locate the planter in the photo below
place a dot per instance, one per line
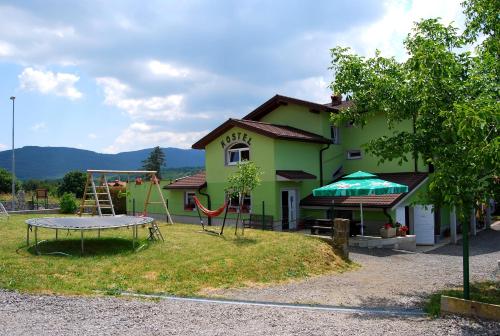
(388, 233)
(401, 233)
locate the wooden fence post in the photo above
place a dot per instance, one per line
(341, 236)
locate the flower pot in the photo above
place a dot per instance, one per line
(388, 233)
(401, 233)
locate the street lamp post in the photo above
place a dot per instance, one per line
(13, 159)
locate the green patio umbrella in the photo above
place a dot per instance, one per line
(360, 184)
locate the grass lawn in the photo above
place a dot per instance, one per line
(486, 291)
(187, 263)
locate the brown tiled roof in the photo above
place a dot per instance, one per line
(195, 181)
(410, 179)
(270, 130)
(295, 175)
(279, 100)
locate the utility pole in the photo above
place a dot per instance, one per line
(13, 160)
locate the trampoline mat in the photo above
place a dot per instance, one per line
(88, 223)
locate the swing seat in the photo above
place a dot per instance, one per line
(209, 213)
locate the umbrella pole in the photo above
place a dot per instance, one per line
(361, 214)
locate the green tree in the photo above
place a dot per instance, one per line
(245, 179)
(242, 182)
(449, 94)
(6, 181)
(155, 161)
(74, 183)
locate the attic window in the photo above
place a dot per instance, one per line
(237, 153)
(354, 154)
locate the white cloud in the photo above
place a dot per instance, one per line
(312, 88)
(6, 49)
(48, 82)
(166, 69)
(169, 107)
(3, 147)
(388, 33)
(141, 135)
(92, 136)
(39, 126)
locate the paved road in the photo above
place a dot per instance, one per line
(51, 315)
(387, 278)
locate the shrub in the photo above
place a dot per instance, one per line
(73, 182)
(68, 203)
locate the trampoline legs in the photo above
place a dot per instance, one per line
(133, 236)
(57, 231)
(98, 233)
(81, 239)
(28, 235)
(36, 240)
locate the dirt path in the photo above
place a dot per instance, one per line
(386, 278)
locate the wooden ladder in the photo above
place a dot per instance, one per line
(97, 197)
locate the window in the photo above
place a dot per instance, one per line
(334, 135)
(246, 207)
(237, 153)
(354, 154)
(189, 200)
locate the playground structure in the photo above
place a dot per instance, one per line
(3, 212)
(97, 198)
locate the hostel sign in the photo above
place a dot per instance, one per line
(235, 137)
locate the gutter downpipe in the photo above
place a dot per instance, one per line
(321, 164)
(415, 153)
(209, 203)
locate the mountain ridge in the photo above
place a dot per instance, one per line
(37, 162)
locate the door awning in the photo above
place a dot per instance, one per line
(293, 175)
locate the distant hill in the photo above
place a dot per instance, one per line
(53, 162)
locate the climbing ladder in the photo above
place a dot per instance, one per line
(97, 197)
(3, 212)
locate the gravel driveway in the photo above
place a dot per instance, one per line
(387, 278)
(52, 315)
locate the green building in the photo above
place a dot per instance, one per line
(298, 149)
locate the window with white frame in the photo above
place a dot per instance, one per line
(335, 135)
(189, 200)
(354, 154)
(237, 153)
(246, 206)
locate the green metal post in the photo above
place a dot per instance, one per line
(263, 216)
(465, 245)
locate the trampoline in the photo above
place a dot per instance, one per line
(89, 223)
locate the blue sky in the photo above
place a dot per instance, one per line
(123, 75)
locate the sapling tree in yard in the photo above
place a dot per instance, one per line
(243, 181)
(450, 95)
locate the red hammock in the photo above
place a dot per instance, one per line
(209, 213)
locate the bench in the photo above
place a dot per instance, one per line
(255, 222)
(317, 229)
(322, 225)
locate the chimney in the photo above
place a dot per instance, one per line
(336, 99)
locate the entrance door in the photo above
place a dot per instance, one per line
(289, 209)
(423, 224)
